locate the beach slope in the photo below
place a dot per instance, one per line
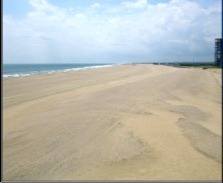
(127, 122)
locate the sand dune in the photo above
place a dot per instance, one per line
(129, 122)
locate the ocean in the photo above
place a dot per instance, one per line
(18, 70)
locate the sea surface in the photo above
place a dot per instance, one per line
(18, 70)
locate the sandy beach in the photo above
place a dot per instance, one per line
(127, 122)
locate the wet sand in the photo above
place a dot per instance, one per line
(129, 122)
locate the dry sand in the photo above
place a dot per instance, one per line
(129, 122)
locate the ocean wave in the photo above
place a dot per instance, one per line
(53, 71)
(15, 75)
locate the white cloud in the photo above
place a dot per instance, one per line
(43, 5)
(136, 4)
(96, 5)
(133, 30)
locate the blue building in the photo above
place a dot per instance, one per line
(218, 52)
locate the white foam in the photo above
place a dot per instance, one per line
(53, 71)
(14, 75)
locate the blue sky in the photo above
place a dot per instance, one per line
(110, 31)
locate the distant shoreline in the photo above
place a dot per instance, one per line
(24, 70)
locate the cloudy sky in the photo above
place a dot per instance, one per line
(110, 31)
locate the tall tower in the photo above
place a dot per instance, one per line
(218, 52)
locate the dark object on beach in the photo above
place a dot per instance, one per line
(218, 52)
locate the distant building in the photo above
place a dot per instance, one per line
(218, 52)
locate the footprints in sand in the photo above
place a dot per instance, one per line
(201, 138)
(190, 112)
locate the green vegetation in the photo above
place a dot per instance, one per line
(204, 65)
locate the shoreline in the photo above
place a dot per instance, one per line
(45, 72)
(127, 122)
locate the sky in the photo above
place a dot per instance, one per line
(110, 31)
